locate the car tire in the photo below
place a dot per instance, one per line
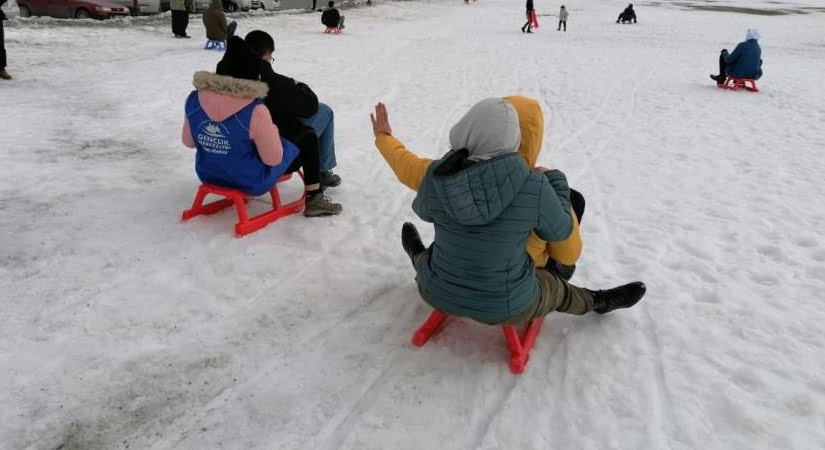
(230, 7)
(25, 11)
(82, 13)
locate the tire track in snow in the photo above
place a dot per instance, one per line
(663, 405)
(483, 429)
(559, 416)
(334, 435)
(501, 397)
(348, 316)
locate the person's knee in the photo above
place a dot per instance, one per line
(577, 202)
(326, 110)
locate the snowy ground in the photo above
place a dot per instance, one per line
(123, 328)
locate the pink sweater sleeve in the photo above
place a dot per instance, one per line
(266, 137)
(186, 135)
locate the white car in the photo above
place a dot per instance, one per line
(266, 5)
(10, 9)
(199, 5)
(140, 7)
(237, 5)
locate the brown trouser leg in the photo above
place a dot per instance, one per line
(555, 294)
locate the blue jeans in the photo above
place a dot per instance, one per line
(323, 122)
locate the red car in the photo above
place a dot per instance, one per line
(67, 9)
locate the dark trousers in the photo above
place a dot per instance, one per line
(528, 25)
(563, 22)
(310, 157)
(180, 20)
(2, 47)
(230, 29)
(723, 66)
(626, 18)
(577, 203)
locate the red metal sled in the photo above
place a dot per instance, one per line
(333, 30)
(734, 84)
(533, 19)
(235, 197)
(519, 346)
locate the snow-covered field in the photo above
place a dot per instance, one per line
(120, 327)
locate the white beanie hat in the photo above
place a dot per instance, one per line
(752, 33)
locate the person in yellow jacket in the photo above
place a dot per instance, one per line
(411, 169)
(485, 204)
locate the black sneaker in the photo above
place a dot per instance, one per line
(329, 179)
(411, 241)
(618, 297)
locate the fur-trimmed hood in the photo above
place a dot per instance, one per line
(234, 87)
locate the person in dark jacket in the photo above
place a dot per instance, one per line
(484, 203)
(290, 103)
(629, 14)
(180, 17)
(527, 28)
(295, 107)
(331, 17)
(214, 20)
(3, 74)
(744, 62)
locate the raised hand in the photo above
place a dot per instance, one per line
(380, 121)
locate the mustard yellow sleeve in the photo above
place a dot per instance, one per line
(568, 251)
(409, 168)
(537, 249)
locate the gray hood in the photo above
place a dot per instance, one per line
(488, 130)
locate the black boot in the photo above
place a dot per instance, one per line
(560, 270)
(411, 241)
(618, 297)
(719, 79)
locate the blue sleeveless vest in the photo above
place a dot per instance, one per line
(226, 155)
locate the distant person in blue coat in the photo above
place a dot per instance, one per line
(744, 62)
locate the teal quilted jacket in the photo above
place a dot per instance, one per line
(483, 213)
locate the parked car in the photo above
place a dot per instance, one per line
(10, 9)
(77, 9)
(140, 7)
(266, 5)
(200, 5)
(237, 5)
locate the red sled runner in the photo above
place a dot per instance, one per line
(734, 84)
(519, 346)
(531, 17)
(237, 198)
